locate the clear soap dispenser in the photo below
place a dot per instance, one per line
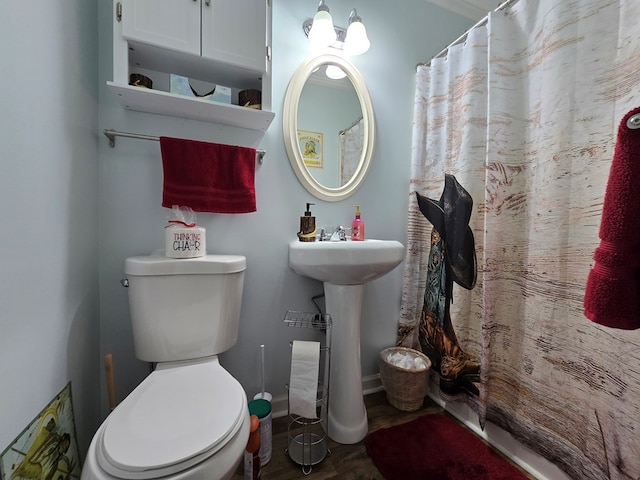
(357, 226)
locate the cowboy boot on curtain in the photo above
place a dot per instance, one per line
(437, 337)
(451, 258)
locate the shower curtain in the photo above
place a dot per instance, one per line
(524, 114)
(351, 145)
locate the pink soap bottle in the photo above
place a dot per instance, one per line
(357, 226)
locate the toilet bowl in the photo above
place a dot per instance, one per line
(186, 420)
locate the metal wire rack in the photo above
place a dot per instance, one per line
(307, 443)
(307, 320)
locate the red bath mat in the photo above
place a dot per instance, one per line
(436, 447)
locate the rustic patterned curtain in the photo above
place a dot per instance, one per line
(524, 115)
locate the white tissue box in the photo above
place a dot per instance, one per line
(185, 242)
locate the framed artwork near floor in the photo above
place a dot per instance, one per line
(311, 145)
(48, 448)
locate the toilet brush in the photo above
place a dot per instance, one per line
(262, 368)
(261, 406)
(264, 395)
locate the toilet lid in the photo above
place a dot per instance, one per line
(178, 416)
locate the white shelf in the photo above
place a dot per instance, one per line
(164, 103)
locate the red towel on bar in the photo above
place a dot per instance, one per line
(208, 177)
(612, 296)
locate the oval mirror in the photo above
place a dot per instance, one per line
(329, 128)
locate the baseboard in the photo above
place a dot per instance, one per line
(371, 384)
(279, 406)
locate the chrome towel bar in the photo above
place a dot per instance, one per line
(112, 134)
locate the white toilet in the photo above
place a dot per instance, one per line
(189, 418)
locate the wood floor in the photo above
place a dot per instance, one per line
(345, 462)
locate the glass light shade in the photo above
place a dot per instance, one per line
(322, 33)
(334, 72)
(357, 41)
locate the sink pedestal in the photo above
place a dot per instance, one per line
(347, 419)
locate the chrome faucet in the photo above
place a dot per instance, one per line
(339, 235)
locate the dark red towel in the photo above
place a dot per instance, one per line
(208, 177)
(612, 296)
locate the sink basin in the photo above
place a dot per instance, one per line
(345, 268)
(345, 263)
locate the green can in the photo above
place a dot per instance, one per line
(262, 409)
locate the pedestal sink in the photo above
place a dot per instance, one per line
(345, 268)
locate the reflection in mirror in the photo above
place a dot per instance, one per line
(351, 147)
(329, 127)
(330, 108)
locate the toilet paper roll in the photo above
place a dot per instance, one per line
(303, 384)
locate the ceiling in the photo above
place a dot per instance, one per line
(473, 9)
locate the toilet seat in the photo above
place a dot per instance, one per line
(181, 414)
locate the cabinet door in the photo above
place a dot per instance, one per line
(171, 24)
(235, 32)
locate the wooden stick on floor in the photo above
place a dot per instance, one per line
(111, 386)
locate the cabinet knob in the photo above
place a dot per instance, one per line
(207, 2)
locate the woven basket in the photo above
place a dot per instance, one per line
(405, 388)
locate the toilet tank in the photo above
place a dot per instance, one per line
(182, 309)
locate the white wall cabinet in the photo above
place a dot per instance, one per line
(215, 42)
(231, 31)
(170, 24)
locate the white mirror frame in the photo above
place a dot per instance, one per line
(290, 128)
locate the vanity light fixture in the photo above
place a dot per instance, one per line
(323, 33)
(356, 41)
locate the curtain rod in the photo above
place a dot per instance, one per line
(342, 132)
(463, 37)
(112, 134)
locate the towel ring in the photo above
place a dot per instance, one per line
(634, 122)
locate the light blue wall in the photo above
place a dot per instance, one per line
(75, 208)
(48, 184)
(402, 34)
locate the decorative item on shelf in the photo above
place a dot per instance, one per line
(204, 95)
(139, 80)
(182, 86)
(321, 32)
(250, 98)
(222, 94)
